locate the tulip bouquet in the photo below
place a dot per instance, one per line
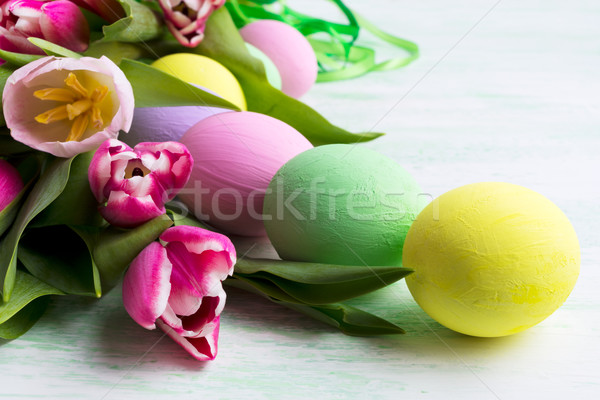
(88, 197)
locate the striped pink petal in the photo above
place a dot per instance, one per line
(146, 285)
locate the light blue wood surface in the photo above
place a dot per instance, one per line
(505, 91)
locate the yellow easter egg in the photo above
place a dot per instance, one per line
(205, 72)
(491, 259)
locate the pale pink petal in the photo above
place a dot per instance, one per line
(146, 285)
(63, 23)
(10, 183)
(202, 349)
(128, 211)
(20, 108)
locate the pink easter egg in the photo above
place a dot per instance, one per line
(235, 156)
(289, 50)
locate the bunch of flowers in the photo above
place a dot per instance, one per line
(75, 75)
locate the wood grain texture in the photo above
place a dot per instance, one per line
(512, 97)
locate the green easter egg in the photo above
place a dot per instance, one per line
(341, 204)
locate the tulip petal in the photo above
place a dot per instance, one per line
(197, 274)
(197, 240)
(20, 107)
(110, 10)
(198, 322)
(11, 183)
(146, 285)
(172, 167)
(99, 171)
(202, 348)
(127, 211)
(187, 21)
(63, 23)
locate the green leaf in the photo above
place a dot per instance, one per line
(18, 59)
(113, 249)
(350, 320)
(181, 219)
(116, 51)
(22, 321)
(223, 43)
(166, 90)
(6, 70)
(8, 145)
(264, 287)
(45, 191)
(26, 289)
(139, 25)
(59, 257)
(313, 283)
(76, 205)
(53, 49)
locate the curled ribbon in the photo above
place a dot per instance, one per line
(339, 58)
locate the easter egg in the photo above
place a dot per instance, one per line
(341, 204)
(235, 156)
(163, 124)
(205, 72)
(289, 50)
(491, 259)
(270, 69)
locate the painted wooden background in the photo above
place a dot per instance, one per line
(505, 90)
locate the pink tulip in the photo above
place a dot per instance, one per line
(10, 183)
(60, 22)
(177, 286)
(186, 19)
(67, 106)
(133, 185)
(109, 10)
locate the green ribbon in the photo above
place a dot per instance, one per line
(339, 58)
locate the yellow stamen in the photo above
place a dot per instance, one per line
(97, 121)
(83, 106)
(78, 128)
(99, 94)
(78, 108)
(74, 84)
(56, 114)
(56, 94)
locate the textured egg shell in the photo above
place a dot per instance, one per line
(289, 50)
(491, 259)
(163, 124)
(235, 156)
(270, 69)
(341, 204)
(205, 72)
